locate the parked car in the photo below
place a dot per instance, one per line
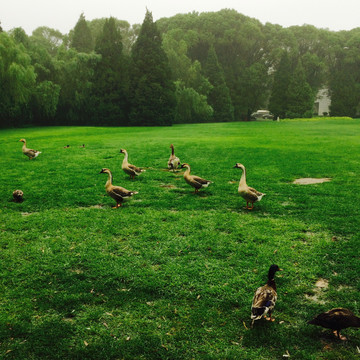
(262, 114)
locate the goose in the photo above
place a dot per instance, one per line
(30, 153)
(118, 193)
(265, 297)
(194, 181)
(336, 320)
(174, 161)
(129, 169)
(248, 193)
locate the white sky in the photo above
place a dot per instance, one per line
(62, 15)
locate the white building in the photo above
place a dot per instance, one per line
(322, 103)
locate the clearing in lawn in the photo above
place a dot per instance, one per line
(171, 274)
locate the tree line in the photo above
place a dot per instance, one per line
(218, 66)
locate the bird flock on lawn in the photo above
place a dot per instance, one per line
(265, 297)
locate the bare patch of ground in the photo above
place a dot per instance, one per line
(309, 181)
(320, 286)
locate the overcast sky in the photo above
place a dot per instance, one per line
(62, 15)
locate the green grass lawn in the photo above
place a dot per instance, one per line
(170, 274)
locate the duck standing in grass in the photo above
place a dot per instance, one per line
(194, 181)
(248, 193)
(130, 169)
(30, 153)
(336, 320)
(265, 297)
(118, 193)
(174, 161)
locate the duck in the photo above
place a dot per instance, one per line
(130, 169)
(194, 181)
(30, 153)
(118, 193)
(174, 161)
(265, 297)
(336, 319)
(248, 193)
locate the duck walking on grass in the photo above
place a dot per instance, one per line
(265, 297)
(248, 193)
(336, 320)
(30, 153)
(174, 161)
(130, 169)
(118, 193)
(193, 180)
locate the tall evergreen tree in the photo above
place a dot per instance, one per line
(300, 96)
(219, 96)
(153, 92)
(278, 103)
(82, 39)
(110, 78)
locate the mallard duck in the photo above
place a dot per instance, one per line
(248, 193)
(336, 320)
(265, 297)
(18, 195)
(30, 153)
(131, 170)
(118, 193)
(174, 161)
(194, 181)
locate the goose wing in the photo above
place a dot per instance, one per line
(264, 299)
(134, 168)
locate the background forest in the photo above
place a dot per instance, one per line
(190, 68)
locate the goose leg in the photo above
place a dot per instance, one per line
(339, 336)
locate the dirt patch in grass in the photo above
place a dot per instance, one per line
(309, 181)
(320, 286)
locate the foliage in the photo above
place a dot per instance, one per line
(170, 274)
(219, 96)
(163, 71)
(109, 93)
(82, 39)
(153, 98)
(17, 80)
(300, 96)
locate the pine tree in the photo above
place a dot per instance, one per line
(153, 92)
(110, 78)
(300, 95)
(219, 96)
(278, 103)
(82, 39)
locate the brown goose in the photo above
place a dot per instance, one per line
(130, 169)
(174, 161)
(248, 193)
(336, 320)
(118, 193)
(194, 181)
(30, 153)
(265, 297)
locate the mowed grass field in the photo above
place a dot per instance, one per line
(170, 274)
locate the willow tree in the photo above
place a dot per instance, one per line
(152, 88)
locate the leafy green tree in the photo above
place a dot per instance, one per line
(17, 81)
(75, 75)
(219, 96)
(82, 39)
(278, 103)
(110, 84)
(153, 91)
(192, 87)
(300, 96)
